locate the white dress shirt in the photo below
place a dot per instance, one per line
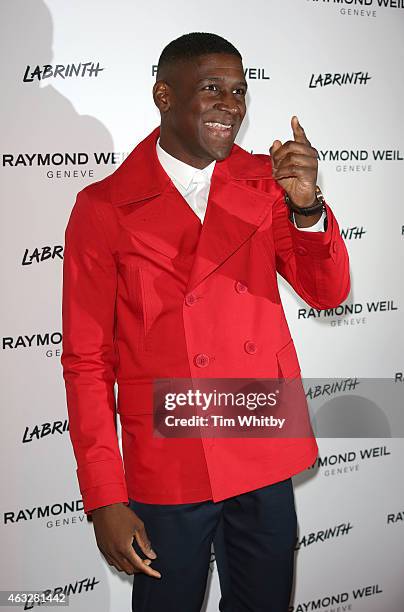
(194, 184)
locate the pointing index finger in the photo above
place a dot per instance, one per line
(298, 132)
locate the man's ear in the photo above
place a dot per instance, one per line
(161, 96)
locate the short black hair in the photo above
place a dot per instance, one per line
(194, 44)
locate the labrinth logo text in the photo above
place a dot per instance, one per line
(42, 254)
(353, 233)
(323, 535)
(45, 429)
(329, 389)
(73, 588)
(40, 73)
(337, 78)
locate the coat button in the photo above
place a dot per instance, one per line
(250, 347)
(240, 287)
(201, 360)
(190, 299)
(301, 250)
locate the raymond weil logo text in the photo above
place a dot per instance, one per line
(347, 462)
(344, 600)
(395, 517)
(51, 341)
(340, 315)
(35, 340)
(251, 73)
(67, 164)
(359, 8)
(359, 160)
(58, 509)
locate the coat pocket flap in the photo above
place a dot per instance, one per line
(142, 396)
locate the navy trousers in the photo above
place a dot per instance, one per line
(254, 537)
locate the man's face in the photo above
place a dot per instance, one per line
(202, 106)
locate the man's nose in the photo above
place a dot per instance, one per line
(228, 103)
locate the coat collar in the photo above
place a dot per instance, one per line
(128, 184)
(181, 173)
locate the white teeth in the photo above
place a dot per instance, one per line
(221, 126)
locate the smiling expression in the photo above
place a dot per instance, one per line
(202, 106)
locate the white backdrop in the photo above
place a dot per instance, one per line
(58, 134)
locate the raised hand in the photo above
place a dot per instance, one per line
(295, 166)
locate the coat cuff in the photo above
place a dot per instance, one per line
(319, 245)
(102, 483)
(104, 496)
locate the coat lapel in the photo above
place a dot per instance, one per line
(233, 214)
(151, 208)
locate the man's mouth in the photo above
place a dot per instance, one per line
(217, 125)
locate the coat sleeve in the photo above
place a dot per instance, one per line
(88, 356)
(315, 264)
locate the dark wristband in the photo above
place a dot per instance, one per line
(317, 206)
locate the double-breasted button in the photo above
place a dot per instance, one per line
(250, 347)
(301, 250)
(201, 360)
(190, 299)
(240, 287)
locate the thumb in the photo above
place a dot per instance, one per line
(144, 543)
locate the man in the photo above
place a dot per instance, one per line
(170, 272)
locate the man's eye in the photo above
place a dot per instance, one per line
(211, 87)
(240, 91)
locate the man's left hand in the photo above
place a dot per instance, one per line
(295, 166)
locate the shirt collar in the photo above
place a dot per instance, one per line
(180, 171)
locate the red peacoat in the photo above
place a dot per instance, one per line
(149, 292)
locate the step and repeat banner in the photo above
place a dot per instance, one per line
(75, 99)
